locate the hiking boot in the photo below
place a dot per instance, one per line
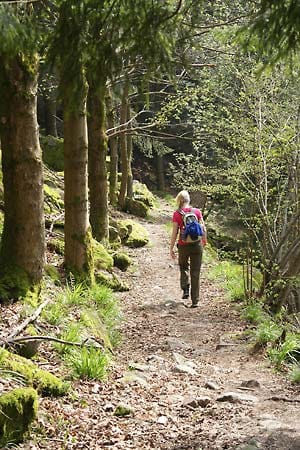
(194, 305)
(186, 293)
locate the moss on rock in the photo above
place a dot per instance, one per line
(15, 283)
(122, 260)
(136, 207)
(18, 409)
(43, 381)
(102, 259)
(57, 246)
(53, 273)
(142, 193)
(53, 152)
(138, 237)
(111, 281)
(53, 200)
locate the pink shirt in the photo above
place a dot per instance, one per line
(177, 218)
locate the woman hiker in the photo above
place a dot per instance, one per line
(189, 251)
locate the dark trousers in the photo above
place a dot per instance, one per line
(190, 259)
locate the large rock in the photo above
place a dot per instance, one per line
(122, 261)
(138, 236)
(136, 207)
(142, 194)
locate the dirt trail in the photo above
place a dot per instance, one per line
(159, 328)
(171, 369)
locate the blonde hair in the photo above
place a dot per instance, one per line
(182, 198)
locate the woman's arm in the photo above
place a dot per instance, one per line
(173, 239)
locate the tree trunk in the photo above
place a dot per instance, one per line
(50, 114)
(78, 256)
(98, 193)
(160, 173)
(123, 145)
(22, 247)
(114, 157)
(129, 155)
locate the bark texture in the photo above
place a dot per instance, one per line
(97, 152)
(22, 246)
(123, 146)
(114, 156)
(129, 154)
(77, 228)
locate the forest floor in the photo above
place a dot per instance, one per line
(186, 375)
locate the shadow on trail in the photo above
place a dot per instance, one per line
(275, 440)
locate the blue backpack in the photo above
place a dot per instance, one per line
(192, 229)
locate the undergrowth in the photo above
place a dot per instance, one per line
(88, 317)
(279, 336)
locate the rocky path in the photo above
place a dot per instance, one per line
(185, 376)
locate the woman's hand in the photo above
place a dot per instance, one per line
(172, 254)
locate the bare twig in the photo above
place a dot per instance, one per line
(29, 319)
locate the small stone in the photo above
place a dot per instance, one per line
(162, 420)
(212, 385)
(235, 397)
(108, 407)
(138, 366)
(203, 401)
(181, 368)
(197, 402)
(123, 410)
(176, 344)
(251, 384)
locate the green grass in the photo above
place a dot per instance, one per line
(74, 294)
(230, 275)
(72, 333)
(82, 312)
(89, 363)
(295, 373)
(267, 332)
(285, 351)
(253, 311)
(55, 312)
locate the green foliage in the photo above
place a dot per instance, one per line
(254, 312)
(55, 312)
(295, 373)
(231, 276)
(276, 29)
(72, 333)
(74, 294)
(108, 309)
(285, 352)
(99, 315)
(267, 332)
(90, 363)
(18, 31)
